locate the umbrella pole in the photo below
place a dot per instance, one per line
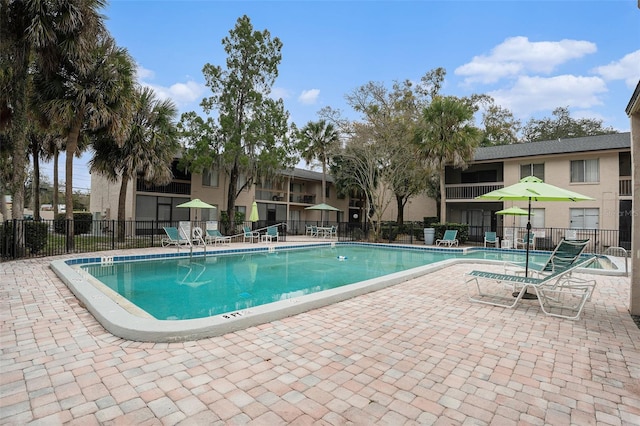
(526, 294)
(526, 266)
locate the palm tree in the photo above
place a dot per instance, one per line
(318, 140)
(35, 36)
(447, 137)
(89, 96)
(146, 153)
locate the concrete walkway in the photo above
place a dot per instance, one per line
(414, 353)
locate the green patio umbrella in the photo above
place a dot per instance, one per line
(323, 207)
(254, 217)
(529, 189)
(196, 203)
(513, 211)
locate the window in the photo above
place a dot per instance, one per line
(210, 178)
(242, 181)
(537, 219)
(584, 218)
(531, 169)
(585, 170)
(210, 214)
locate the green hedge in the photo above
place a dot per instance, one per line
(35, 236)
(462, 228)
(81, 223)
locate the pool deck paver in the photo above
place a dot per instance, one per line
(415, 353)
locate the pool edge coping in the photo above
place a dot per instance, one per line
(122, 323)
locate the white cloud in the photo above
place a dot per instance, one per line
(627, 69)
(309, 97)
(280, 93)
(180, 93)
(518, 55)
(142, 73)
(533, 94)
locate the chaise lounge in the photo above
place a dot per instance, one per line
(558, 295)
(449, 238)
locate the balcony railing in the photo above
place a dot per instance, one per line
(625, 186)
(280, 195)
(469, 191)
(172, 188)
(270, 195)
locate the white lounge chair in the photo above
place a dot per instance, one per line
(491, 238)
(174, 238)
(270, 235)
(250, 235)
(557, 295)
(449, 238)
(522, 242)
(213, 235)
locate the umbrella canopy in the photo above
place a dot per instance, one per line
(254, 217)
(530, 189)
(196, 203)
(513, 211)
(323, 206)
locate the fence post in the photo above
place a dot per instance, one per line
(67, 239)
(113, 234)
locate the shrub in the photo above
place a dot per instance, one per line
(430, 221)
(462, 228)
(35, 235)
(81, 223)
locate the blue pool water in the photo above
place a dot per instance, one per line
(198, 287)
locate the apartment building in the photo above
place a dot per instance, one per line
(283, 198)
(596, 166)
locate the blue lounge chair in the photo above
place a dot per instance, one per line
(522, 242)
(563, 256)
(214, 236)
(270, 235)
(174, 238)
(491, 238)
(557, 294)
(250, 235)
(449, 238)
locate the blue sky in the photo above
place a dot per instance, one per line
(531, 57)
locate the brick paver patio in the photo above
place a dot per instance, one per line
(414, 353)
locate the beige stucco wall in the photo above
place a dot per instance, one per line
(416, 209)
(557, 171)
(104, 198)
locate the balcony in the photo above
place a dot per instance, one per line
(469, 191)
(281, 196)
(270, 195)
(302, 198)
(182, 188)
(626, 186)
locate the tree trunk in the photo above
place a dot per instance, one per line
(122, 199)
(56, 185)
(443, 198)
(231, 198)
(36, 181)
(72, 146)
(324, 188)
(400, 204)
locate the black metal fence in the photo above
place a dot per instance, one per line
(28, 238)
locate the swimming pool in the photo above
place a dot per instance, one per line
(178, 297)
